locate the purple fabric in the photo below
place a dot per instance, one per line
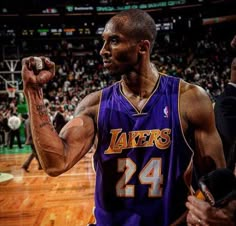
(140, 159)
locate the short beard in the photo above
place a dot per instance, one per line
(117, 75)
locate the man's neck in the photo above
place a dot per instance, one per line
(139, 85)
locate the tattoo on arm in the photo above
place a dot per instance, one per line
(35, 85)
(43, 113)
(42, 110)
(44, 124)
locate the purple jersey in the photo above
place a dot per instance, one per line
(142, 159)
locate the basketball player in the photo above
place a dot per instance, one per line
(149, 130)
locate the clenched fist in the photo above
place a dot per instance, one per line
(32, 77)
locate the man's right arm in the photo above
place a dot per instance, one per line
(57, 153)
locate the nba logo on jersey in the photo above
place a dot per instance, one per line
(166, 112)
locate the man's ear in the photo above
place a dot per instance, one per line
(144, 47)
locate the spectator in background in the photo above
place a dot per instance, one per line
(1, 131)
(6, 128)
(14, 122)
(225, 115)
(59, 119)
(29, 141)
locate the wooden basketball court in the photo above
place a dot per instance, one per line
(36, 199)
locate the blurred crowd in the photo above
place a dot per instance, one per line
(204, 60)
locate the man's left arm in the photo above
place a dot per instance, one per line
(209, 156)
(208, 148)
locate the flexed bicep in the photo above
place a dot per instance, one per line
(78, 137)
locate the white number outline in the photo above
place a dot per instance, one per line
(149, 175)
(127, 166)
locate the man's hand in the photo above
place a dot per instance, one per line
(34, 78)
(202, 213)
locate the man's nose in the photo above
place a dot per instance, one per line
(105, 49)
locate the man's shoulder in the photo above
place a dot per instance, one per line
(195, 104)
(192, 91)
(93, 97)
(89, 104)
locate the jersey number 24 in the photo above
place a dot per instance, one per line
(149, 175)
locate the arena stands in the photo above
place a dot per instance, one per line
(186, 47)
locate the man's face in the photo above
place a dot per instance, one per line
(119, 52)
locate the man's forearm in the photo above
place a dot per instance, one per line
(48, 144)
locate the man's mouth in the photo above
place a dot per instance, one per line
(106, 63)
